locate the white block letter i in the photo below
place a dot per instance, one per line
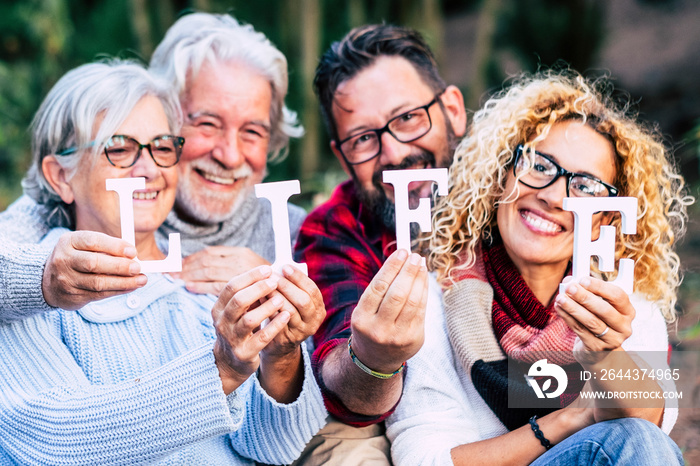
(278, 193)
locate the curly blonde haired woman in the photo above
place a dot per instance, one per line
(501, 246)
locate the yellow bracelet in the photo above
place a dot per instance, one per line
(366, 369)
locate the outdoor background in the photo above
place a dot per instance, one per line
(650, 47)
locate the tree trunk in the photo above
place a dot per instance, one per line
(433, 26)
(357, 13)
(483, 50)
(310, 51)
(426, 17)
(141, 27)
(165, 15)
(201, 5)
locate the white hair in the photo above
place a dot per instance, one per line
(215, 38)
(65, 120)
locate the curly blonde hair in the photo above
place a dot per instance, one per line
(524, 113)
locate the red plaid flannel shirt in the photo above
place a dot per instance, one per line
(344, 247)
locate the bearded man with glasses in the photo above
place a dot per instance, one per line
(386, 108)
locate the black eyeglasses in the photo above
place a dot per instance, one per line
(407, 127)
(123, 151)
(544, 171)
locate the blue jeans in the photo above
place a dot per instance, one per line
(618, 442)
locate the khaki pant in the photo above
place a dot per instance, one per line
(342, 445)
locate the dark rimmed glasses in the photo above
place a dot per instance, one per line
(407, 127)
(123, 151)
(544, 172)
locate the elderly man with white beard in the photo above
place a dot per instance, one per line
(232, 83)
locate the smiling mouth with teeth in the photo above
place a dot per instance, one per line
(216, 179)
(539, 223)
(145, 196)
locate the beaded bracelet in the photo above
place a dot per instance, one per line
(538, 433)
(366, 369)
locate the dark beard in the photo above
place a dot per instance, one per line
(381, 208)
(377, 202)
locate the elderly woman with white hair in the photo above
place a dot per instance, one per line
(159, 375)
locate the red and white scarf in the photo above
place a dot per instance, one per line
(492, 315)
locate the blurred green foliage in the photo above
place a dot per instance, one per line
(545, 31)
(33, 42)
(42, 39)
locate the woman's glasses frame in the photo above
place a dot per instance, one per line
(519, 152)
(178, 142)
